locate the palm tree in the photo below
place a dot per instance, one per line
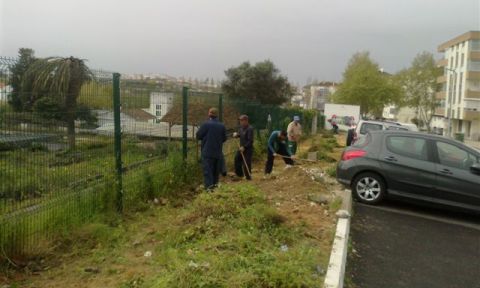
(63, 78)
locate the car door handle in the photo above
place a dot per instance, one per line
(391, 158)
(446, 171)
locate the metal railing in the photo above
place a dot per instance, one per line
(132, 141)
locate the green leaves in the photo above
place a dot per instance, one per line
(419, 85)
(261, 82)
(18, 100)
(57, 75)
(365, 85)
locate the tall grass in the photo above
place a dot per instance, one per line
(21, 231)
(233, 238)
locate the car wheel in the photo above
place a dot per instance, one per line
(369, 188)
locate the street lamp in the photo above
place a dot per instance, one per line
(450, 96)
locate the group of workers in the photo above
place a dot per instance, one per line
(212, 134)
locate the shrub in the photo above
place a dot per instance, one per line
(260, 145)
(147, 191)
(48, 108)
(331, 171)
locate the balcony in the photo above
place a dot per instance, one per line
(472, 94)
(439, 111)
(442, 62)
(471, 75)
(441, 95)
(474, 56)
(442, 79)
(471, 115)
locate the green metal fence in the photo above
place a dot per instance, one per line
(133, 141)
(50, 179)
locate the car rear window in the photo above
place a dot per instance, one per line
(396, 128)
(367, 127)
(411, 147)
(362, 141)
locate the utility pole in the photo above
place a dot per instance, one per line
(450, 104)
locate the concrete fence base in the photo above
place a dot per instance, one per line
(338, 257)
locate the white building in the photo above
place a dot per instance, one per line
(160, 104)
(460, 94)
(319, 95)
(345, 115)
(4, 92)
(403, 114)
(299, 101)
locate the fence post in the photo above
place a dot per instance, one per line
(314, 123)
(185, 122)
(220, 107)
(118, 142)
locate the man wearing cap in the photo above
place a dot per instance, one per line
(243, 157)
(212, 134)
(294, 131)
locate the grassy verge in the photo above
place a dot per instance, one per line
(263, 234)
(230, 238)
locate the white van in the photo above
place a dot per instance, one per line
(364, 126)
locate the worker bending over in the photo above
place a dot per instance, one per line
(277, 146)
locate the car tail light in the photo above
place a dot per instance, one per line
(352, 154)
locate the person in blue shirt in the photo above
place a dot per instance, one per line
(277, 145)
(212, 134)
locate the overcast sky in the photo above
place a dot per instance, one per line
(304, 38)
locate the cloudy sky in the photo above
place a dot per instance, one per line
(304, 38)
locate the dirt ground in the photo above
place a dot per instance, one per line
(290, 191)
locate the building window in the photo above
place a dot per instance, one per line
(159, 107)
(456, 59)
(458, 113)
(462, 60)
(474, 66)
(451, 62)
(158, 113)
(475, 44)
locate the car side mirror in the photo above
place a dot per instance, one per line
(475, 168)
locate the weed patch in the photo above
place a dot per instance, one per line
(232, 238)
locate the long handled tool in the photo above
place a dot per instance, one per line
(245, 162)
(295, 159)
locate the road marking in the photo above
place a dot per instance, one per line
(420, 215)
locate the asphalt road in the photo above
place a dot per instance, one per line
(402, 245)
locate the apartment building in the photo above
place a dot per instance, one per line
(319, 94)
(459, 110)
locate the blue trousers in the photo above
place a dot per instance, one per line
(211, 171)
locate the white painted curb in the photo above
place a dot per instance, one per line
(338, 257)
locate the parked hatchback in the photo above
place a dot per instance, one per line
(412, 165)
